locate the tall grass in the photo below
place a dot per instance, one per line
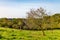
(15, 34)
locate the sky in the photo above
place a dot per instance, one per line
(19, 8)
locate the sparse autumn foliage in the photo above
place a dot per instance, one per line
(36, 17)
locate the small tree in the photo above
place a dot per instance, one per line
(37, 17)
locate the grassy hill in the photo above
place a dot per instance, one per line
(14, 34)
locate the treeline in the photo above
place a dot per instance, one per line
(48, 22)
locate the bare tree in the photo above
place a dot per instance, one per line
(37, 14)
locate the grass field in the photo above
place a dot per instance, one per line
(14, 34)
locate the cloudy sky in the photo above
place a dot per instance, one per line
(18, 8)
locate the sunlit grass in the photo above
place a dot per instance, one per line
(15, 34)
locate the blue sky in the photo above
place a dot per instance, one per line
(18, 8)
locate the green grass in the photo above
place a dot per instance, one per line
(14, 34)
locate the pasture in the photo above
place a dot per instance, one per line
(15, 34)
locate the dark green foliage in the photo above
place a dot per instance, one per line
(1, 36)
(17, 23)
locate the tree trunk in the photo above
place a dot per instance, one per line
(20, 27)
(42, 30)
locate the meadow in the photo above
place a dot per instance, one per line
(16, 34)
